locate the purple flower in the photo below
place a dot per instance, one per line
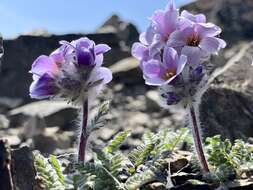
(163, 23)
(45, 71)
(158, 73)
(197, 41)
(72, 71)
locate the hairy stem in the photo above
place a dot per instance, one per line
(197, 138)
(84, 135)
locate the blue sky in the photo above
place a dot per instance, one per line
(65, 16)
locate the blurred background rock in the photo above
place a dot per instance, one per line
(51, 127)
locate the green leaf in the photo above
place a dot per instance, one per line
(117, 141)
(47, 173)
(55, 163)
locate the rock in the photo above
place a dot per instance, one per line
(107, 133)
(241, 185)
(14, 141)
(7, 104)
(38, 32)
(153, 100)
(126, 31)
(33, 126)
(190, 186)
(139, 119)
(53, 139)
(4, 122)
(137, 132)
(1, 50)
(156, 186)
(6, 182)
(55, 113)
(227, 106)
(182, 177)
(127, 71)
(23, 171)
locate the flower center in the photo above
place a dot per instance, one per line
(193, 40)
(169, 73)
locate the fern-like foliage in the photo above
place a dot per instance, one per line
(228, 159)
(98, 121)
(48, 172)
(104, 172)
(111, 169)
(137, 180)
(115, 143)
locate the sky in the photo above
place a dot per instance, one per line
(72, 16)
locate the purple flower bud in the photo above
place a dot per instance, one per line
(171, 98)
(197, 74)
(85, 56)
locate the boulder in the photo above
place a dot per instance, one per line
(227, 106)
(55, 113)
(127, 71)
(126, 31)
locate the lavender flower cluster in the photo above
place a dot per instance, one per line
(173, 50)
(73, 71)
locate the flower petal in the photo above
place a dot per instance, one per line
(43, 64)
(147, 37)
(140, 51)
(106, 74)
(85, 56)
(99, 60)
(101, 48)
(193, 54)
(170, 58)
(181, 64)
(212, 44)
(100, 73)
(83, 42)
(207, 30)
(179, 38)
(199, 18)
(171, 5)
(152, 68)
(155, 81)
(44, 87)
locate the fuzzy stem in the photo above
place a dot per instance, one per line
(197, 139)
(84, 135)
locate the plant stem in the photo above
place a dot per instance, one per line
(197, 139)
(84, 135)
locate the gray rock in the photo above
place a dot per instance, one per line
(53, 139)
(4, 122)
(227, 107)
(127, 71)
(153, 100)
(126, 31)
(23, 171)
(55, 113)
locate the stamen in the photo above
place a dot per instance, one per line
(170, 73)
(193, 40)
